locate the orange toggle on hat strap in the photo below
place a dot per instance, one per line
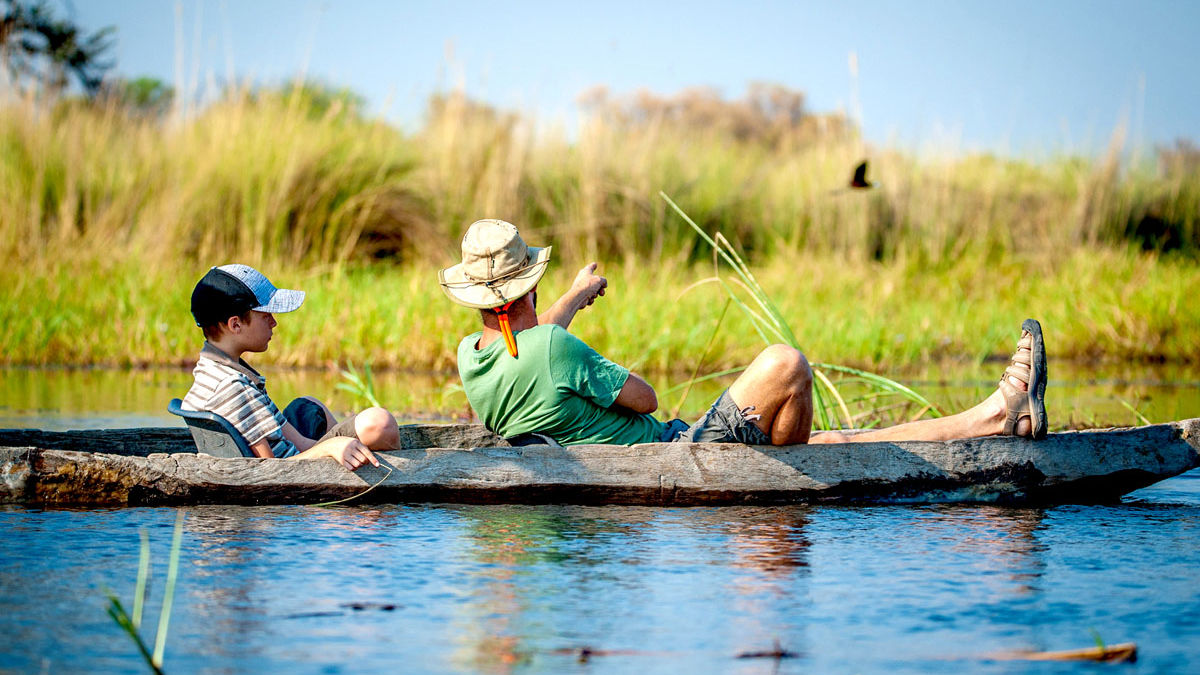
(510, 340)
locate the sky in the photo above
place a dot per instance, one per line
(1034, 79)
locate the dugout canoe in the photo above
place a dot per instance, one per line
(468, 464)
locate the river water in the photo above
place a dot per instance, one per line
(498, 589)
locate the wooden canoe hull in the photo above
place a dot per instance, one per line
(1073, 467)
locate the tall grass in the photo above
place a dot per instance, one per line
(1093, 304)
(108, 217)
(274, 177)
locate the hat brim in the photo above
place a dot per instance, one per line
(481, 295)
(282, 300)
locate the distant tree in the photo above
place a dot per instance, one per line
(321, 99)
(36, 45)
(145, 95)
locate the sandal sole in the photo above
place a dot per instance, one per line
(1037, 379)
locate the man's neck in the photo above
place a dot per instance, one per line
(491, 327)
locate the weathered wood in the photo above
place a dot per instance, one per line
(1068, 467)
(150, 440)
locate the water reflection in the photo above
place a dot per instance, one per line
(514, 589)
(1078, 395)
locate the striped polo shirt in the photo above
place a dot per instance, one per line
(237, 392)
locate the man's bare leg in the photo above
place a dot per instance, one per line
(986, 419)
(778, 384)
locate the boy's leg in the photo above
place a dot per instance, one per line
(309, 416)
(375, 427)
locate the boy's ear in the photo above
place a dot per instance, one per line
(233, 324)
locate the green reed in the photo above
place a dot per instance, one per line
(772, 326)
(131, 625)
(360, 384)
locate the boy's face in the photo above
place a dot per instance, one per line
(256, 333)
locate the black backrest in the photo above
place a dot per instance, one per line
(214, 435)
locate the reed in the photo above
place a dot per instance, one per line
(772, 326)
(107, 218)
(131, 625)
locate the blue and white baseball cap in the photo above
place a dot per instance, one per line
(230, 290)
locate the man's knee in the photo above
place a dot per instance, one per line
(786, 364)
(377, 429)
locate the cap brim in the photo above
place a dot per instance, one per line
(478, 295)
(282, 300)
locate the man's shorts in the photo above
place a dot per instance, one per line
(309, 419)
(723, 423)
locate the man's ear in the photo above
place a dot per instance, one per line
(234, 324)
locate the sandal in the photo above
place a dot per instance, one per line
(1029, 366)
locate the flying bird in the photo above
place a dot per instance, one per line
(859, 181)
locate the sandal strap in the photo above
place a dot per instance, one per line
(1016, 403)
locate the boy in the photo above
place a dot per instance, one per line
(234, 306)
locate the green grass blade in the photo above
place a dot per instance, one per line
(704, 378)
(836, 395)
(139, 591)
(883, 383)
(700, 361)
(164, 617)
(117, 612)
(1142, 419)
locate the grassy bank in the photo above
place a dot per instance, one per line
(108, 216)
(1094, 304)
(293, 178)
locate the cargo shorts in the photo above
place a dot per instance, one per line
(724, 422)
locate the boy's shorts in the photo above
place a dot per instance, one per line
(723, 423)
(309, 419)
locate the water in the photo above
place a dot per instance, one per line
(518, 589)
(1078, 395)
(499, 589)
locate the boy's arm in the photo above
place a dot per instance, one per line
(348, 451)
(262, 449)
(298, 439)
(583, 292)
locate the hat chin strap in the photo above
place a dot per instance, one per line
(510, 340)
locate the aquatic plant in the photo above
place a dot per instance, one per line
(360, 384)
(1138, 416)
(772, 326)
(131, 625)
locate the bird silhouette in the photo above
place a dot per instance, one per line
(859, 181)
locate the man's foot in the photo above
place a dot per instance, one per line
(1024, 385)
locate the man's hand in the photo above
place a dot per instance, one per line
(588, 286)
(353, 454)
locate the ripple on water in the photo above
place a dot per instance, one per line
(505, 588)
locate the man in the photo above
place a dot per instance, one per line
(524, 373)
(234, 305)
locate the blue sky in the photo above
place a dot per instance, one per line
(1029, 78)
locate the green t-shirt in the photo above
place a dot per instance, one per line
(556, 386)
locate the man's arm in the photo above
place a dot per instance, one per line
(637, 395)
(583, 292)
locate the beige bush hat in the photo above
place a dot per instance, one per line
(497, 266)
